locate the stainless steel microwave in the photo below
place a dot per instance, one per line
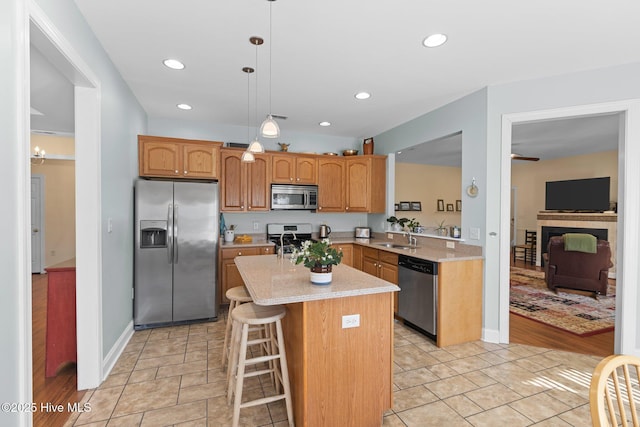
(294, 197)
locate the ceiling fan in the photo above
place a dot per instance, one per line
(516, 156)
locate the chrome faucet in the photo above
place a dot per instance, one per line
(281, 248)
(412, 240)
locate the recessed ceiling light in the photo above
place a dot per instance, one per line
(362, 95)
(435, 40)
(173, 64)
(324, 124)
(184, 106)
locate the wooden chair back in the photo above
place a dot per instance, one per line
(614, 393)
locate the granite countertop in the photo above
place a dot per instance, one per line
(422, 251)
(257, 242)
(434, 253)
(271, 280)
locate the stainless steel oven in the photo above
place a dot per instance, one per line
(294, 197)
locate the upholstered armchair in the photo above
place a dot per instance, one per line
(575, 269)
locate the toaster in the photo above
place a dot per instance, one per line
(363, 232)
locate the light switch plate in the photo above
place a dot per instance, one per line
(474, 233)
(350, 321)
(451, 245)
(256, 225)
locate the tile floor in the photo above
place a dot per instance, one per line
(172, 376)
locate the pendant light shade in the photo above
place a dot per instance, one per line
(247, 157)
(270, 128)
(255, 147)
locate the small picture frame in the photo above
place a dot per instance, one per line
(397, 206)
(458, 205)
(405, 206)
(440, 205)
(416, 206)
(449, 207)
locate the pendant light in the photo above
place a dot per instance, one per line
(255, 146)
(247, 156)
(270, 128)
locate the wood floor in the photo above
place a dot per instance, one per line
(58, 390)
(525, 331)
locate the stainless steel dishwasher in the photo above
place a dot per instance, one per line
(418, 297)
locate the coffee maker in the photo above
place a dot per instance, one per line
(325, 230)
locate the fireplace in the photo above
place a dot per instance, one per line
(549, 232)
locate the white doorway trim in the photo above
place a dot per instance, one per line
(628, 207)
(88, 205)
(40, 180)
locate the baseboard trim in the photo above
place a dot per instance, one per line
(490, 335)
(114, 354)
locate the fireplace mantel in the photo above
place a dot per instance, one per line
(608, 221)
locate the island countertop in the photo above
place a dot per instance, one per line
(272, 281)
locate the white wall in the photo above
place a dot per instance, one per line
(14, 289)
(589, 87)
(466, 115)
(122, 119)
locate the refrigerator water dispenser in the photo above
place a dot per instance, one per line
(153, 234)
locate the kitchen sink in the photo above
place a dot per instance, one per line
(396, 246)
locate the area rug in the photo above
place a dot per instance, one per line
(582, 315)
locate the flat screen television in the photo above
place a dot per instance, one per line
(578, 195)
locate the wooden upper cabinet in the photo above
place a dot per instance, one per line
(306, 170)
(293, 169)
(365, 184)
(178, 158)
(331, 185)
(244, 186)
(258, 186)
(233, 176)
(200, 161)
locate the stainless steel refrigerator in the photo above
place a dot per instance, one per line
(176, 239)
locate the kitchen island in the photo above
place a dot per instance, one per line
(340, 368)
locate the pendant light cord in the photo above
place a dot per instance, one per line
(270, 45)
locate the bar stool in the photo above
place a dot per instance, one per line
(244, 317)
(236, 296)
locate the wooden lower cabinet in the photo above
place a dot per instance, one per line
(357, 257)
(340, 377)
(381, 264)
(347, 254)
(229, 274)
(459, 316)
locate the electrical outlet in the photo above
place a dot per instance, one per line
(109, 225)
(350, 321)
(256, 225)
(389, 236)
(451, 245)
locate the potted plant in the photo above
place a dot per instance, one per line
(415, 226)
(441, 229)
(319, 257)
(397, 224)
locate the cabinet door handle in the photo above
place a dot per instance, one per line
(319, 208)
(347, 208)
(239, 253)
(291, 178)
(176, 171)
(185, 172)
(298, 179)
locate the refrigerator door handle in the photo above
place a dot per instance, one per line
(175, 234)
(170, 233)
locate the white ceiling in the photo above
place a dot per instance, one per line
(324, 52)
